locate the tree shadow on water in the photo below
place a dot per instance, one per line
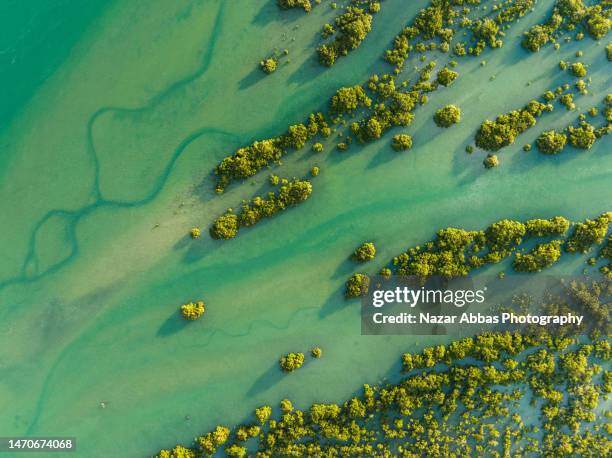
(172, 325)
(308, 71)
(254, 77)
(202, 248)
(384, 155)
(270, 11)
(334, 303)
(183, 242)
(345, 268)
(270, 377)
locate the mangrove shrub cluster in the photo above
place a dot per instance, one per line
(393, 107)
(588, 233)
(455, 252)
(269, 65)
(247, 161)
(357, 285)
(288, 4)
(195, 232)
(192, 310)
(551, 142)
(569, 15)
(436, 25)
(494, 135)
(365, 252)
(350, 29)
(401, 142)
(490, 161)
(291, 361)
(466, 398)
(541, 256)
(447, 116)
(582, 136)
(433, 28)
(290, 194)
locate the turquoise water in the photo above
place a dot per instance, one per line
(115, 115)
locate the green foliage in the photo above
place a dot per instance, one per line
(244, 433)
(551, 142)
(490, 161)
(348, 99)
(598, 21)
(192, 310)
(374, 128)
(195, 232)
(447, 116)
(446, 76)
(606, 253)
(536, 37)
(394, 111)
(357, 285)
(210, 442)
(487, 30)
(441, 21)
(225, 227)
(385, 272)
(578, 69)
(494, 135)
(455, 252)
(582, 137)
(461, 399)
(296, 137)
(235, 450)
(589, 233)
(429, 21)
(365, 252)
(287, 4)
(177, 452)
(569, 14)
(247, 161)
(263, 414)
(351, 28)
(592, 299)
(557, 225)
(568, 101)
(316, 352)
(541, 256)
(289, 194)
(269, 65)
(291, 361)
(401, 142)
(504, 234)
(286, 406)
(445, 256)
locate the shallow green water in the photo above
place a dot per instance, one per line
(135, 103)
